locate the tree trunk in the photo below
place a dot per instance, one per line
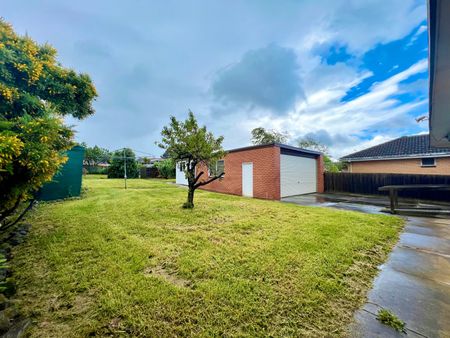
(190, 199)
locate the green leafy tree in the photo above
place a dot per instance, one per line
(263, 136)
(165, 155)
(95, 155)
(119, 159)
(166, 168)
(35, 93)
(145, 160)
(312, 144)
(189, 145)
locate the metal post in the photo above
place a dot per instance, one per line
(392, 200)
(125, 167)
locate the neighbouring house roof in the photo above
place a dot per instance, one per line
(285, 147)
(404, 147)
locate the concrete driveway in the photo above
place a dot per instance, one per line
(414, 283)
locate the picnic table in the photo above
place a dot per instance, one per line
(393, 191)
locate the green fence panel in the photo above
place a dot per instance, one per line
(67, 182)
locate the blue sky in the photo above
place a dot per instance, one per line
(349, 73)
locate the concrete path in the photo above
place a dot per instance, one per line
(414, 283)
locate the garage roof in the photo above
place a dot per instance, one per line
(282, 146)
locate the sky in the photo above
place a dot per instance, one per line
(348, 73)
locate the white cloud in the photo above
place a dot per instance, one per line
(174, 52)
(420, 30)
(323, 110)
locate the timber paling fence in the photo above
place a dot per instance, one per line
(369, 184)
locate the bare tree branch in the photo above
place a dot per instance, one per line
(9, 212)
(198, 177)
(28, 208)
(208, 181)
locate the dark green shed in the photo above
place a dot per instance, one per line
(67, 182)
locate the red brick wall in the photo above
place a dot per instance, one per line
(266, 173)
(320, 174)
(401, 166)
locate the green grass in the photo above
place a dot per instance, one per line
(389, 318)
(134, 263)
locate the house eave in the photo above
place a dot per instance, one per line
(439, 70)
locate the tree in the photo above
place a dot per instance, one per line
(312, 144)
(330, 166)
(165, 155)
(263, 136)
(166, 168)
(118, 161)
(31, 80)
(145, 160)
(35, 93)
(189, 145)
(95, 155)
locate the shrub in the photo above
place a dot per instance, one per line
(95, 170)
(117, 167)
(166, 168)
(35, 93)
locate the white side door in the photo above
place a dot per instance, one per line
(247, 179)
(298, 175)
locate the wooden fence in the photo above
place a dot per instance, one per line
(149, 172)
(369, 184)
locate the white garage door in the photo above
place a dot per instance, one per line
(180, 177)
(298, 175)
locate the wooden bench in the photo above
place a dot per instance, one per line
(393, 191)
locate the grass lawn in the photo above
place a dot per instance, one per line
(132, 262)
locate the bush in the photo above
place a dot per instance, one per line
(151, 172)
(117, 167)
(166, 168)
(95, 170)
(36, 92)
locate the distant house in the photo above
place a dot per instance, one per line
(269, 171)
(405, 155)
(147, 166)
(149, 162)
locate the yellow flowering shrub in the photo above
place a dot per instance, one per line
(10, 148)
(32, 150)
(31, 74)
(35, 93)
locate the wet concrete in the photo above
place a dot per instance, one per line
(414, 283)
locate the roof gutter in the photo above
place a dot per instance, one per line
(276, 144)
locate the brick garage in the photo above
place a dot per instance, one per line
(269, 171)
